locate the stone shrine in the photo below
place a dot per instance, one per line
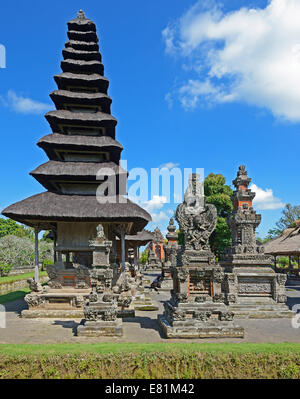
(101, 310)
(196, 308)
(171, 250)
(156, 252)
(251, 287)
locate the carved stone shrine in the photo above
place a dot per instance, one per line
(251, 287)
(197, 306)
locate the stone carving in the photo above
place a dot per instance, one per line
(281, 279)
(202, 316)
(179, 316)
(226, 316)
(200, 299)
(219, 298)
(183, 298)
(231, 298)
(281, 298)
(196, 219)
(182, 274)
(263, 288)
(79, 301)
(218, 276)
(34, 286)
(34, 300)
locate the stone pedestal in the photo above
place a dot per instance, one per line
(153, 263)
(100, 320)
(100, 312)
(196, 308)
(255, 291)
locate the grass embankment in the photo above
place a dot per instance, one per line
(14, 295)
(160, 360)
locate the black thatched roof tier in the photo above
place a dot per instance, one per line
(53, 174)
(63, 97)
(53, 144)
(74, 169)
(94, 142)
(70, 53)
(89, 36)
(54, 207)
(67, 80)
(97, 119)
(86, 46)
(79, 66)
(141, 238)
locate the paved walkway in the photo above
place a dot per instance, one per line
(142, 328)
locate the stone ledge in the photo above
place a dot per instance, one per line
(226, 331)
(101, 329)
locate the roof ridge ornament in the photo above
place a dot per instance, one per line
(81, 15)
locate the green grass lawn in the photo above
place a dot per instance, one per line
(25, 276)
(14, 295)
(104, 348)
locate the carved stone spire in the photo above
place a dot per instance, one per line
(244, 219)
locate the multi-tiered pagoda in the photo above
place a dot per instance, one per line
(81, 148)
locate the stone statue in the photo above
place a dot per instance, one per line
(100, 233)
(34, 286)
(196, 219)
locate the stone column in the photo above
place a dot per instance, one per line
(36, 253)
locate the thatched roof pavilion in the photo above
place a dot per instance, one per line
(288, 244)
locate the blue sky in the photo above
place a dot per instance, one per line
(198, 84)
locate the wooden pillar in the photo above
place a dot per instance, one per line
(123, 249)
(275, 262)
(36, 254)
(54, 245)
(290, 265)
(136, 258)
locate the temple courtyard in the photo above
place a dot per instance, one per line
(141, 329)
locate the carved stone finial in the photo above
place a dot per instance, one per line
(80, 15)
(100, 232)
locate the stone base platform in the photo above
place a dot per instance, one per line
(261, 311)
(201, 330)
(101, 329)
(68, 313)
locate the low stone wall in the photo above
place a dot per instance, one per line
(5, 288)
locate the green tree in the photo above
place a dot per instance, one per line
(219, 194)
(290, 214)
(144, 257)
(10, 227)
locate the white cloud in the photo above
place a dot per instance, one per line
(169, 165)
(265, 199)
(248, 55)
(23, 105)
(157, 202)
(158, 217)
